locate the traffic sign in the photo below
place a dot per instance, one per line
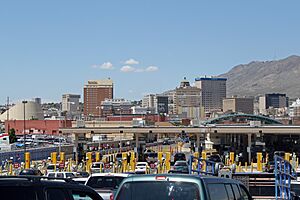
(17, 165)
(61, 165)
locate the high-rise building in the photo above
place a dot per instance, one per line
(213, 91)
(235, 104)
(274, 100)
(96, 91)
(148, 101)
(70, 103)
(187, 100)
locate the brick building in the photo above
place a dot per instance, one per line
(50, 127)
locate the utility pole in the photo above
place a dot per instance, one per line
(7, 112)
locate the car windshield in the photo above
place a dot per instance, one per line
(141, 164)
(164, 190)
(96, 165)
(180, 164)
(104, 182)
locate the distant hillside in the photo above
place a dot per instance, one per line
(257, 78)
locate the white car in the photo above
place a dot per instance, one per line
(96, 166)
(106, 184)
(141, 168)
(61, 174)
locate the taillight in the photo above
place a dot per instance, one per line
(111, 197)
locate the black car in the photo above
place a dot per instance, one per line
(43, 188)
(179, 156)
(82, 174)
(31, 172)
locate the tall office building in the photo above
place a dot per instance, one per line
(274, 100)
(213, 91)
(148, 101)
(187, 100)
(70, 103)
(96, 91)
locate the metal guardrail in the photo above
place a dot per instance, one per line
(283, 175)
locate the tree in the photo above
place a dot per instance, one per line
(12, 135)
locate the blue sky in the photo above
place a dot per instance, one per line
(48, 48)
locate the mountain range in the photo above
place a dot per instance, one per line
(261, 77)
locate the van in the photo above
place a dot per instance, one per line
(181, 187)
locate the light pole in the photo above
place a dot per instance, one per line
(24, 130)
(120, 113)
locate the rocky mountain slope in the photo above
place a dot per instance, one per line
(257, 78)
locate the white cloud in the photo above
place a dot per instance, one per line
(127, 68)
(151, 69)
(106, 65)
(131, 61)
(95, 66)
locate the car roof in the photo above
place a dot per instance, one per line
(142, 163)
(39, 181)
(180, 177)
(109, 174)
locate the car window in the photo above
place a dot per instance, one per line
(56, 194)
(245, 195)
(217, 191)
(69, 175)
(229, 191)
(164, 190)
(60, 175)
(105, 182)
(80, 195)
(18, 193)
(51, 175)
(236, 191)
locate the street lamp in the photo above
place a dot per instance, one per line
(120, 112)
(24, 130)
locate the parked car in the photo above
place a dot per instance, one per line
(180, 187)
(142, 168)
(43, 188)
(31, 172)
(106, 184)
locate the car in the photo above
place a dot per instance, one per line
(80, 180)
(82, 174)
(151, 157)
(106, 184)
(61, 174)
(180, 187)
(52, 167)
(181, 167)
(166, 142)
(141, 168)
(97, 167)
(43, 188)
(31, 172)
(179, 156)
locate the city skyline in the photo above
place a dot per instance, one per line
(53, 48)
